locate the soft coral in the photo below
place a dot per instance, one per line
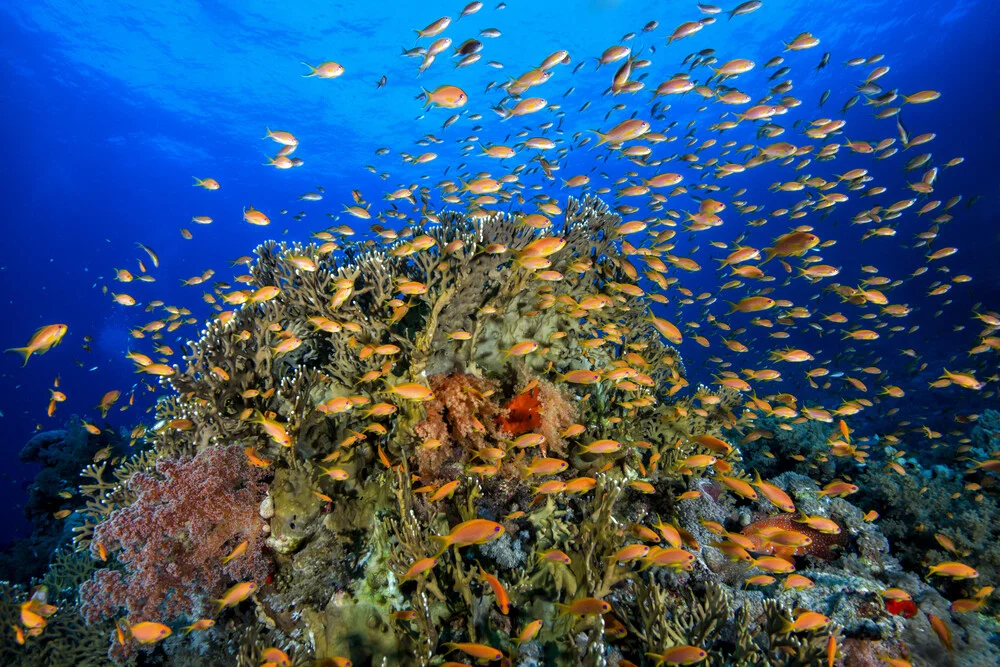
(522, 414)
(188, 514)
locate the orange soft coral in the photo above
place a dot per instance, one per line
(461, 415)
(540, 408)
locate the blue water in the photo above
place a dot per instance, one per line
(110, 108)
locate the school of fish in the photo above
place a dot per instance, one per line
(687, 201)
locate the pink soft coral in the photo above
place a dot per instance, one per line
(557, 414)
(171, 541)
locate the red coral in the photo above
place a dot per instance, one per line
(543, 409)
(904, 608)
(823, 544)
(466, 417)
(522, 414)
(171, 541)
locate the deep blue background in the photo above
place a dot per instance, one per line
(109, 109)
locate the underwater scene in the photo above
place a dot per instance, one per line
(593, 332)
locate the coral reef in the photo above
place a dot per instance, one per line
(474, 438)
(67, 638)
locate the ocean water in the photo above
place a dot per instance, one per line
(111, 108)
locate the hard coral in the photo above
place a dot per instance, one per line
(171, 541)
(823, 545)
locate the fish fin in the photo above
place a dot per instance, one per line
(23, 351)
(444, 543)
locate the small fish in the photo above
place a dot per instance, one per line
(479, 651)
(237, 551)
(475, 531)
(202, 624)
(149, 632)
(44, 339)
(235, 595)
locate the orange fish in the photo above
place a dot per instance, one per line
(238, 551)
(422, 566)
(41, 341)
(499, 592)
(684, 654)
(953, 570)
(202, 624)
(148, 632)
(584, 607)
(478, 651)
(476, 531)
(942, 631)
(236, 594)
(778, 498)
(207, 183)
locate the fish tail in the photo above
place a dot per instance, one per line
(646, 565)
(444, 543)
(603, 138)
(23, 351)
(312, 70)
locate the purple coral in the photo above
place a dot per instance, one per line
(171, 541)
